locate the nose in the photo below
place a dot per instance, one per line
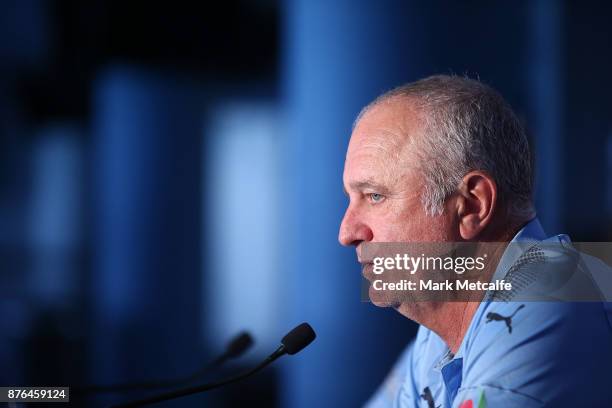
(353, 230)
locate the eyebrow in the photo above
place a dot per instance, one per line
(366, 184)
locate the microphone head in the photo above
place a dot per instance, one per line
(298, 338)
(239, 344)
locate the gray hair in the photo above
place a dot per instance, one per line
(468, 126)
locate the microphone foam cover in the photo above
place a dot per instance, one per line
(298, 338)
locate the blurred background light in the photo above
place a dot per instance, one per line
(171, 174)
(244, 281)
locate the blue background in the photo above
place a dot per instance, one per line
(171, 174)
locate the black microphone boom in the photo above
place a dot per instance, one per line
(298, 338)
(235, 348)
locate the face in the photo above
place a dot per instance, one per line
(383, 182)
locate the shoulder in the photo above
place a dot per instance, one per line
(536, 349)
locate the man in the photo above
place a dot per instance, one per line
(445, 159)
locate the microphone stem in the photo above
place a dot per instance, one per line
(205, 387)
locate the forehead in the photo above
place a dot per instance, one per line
(383, 140)
(393, 123)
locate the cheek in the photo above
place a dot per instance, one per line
(412, 225)
(439, 229)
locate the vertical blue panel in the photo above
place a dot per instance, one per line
(145, 286)
(244, 284)
(546, 102)
(55, 215)
(338, 56)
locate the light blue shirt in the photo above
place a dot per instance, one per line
(553, 354)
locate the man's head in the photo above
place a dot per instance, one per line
(440, 159)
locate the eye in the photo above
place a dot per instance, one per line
(376, 198)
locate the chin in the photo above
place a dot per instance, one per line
(416, 311)
(381, 299)
(394, 305)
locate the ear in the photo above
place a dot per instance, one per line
(475, 203)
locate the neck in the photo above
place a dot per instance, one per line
(451, 320)
(452, 329)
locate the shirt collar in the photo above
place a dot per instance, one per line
(525, 238)
(532, 231)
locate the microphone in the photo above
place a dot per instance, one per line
(235, 348)
(293, 342)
